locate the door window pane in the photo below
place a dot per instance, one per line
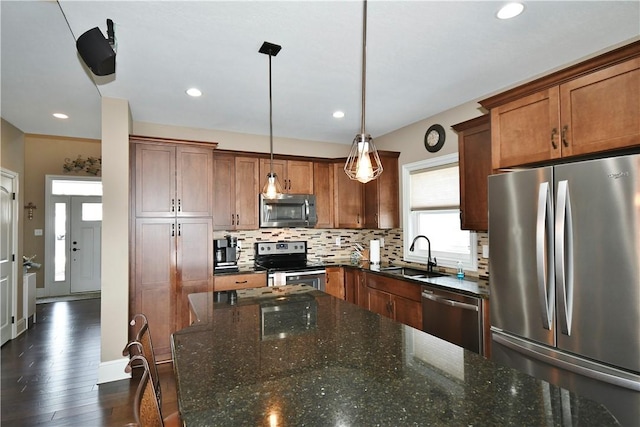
(92, 211)
(60, 245)
(76, 188)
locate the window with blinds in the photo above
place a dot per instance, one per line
(432, 208)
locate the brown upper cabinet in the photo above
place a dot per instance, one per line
(323, 190)
(474, 150)
(295, 176)
(381, 204)
(588, 108)
(172, 180)
(348, 199)
(236, 190)
(371, 205)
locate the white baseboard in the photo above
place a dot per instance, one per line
(113, 371)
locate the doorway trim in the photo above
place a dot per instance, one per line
(51, 288)
(18, 258)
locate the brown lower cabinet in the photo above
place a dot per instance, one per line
(173, 258)
(396, 299)
(335, 282)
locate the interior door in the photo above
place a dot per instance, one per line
(85, 243)
(6, 257)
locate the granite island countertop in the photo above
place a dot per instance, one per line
(339, 364)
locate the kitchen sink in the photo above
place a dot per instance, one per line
(413, 273)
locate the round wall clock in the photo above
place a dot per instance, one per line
(434, 138)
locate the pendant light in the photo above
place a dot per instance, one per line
(363, 163)
(272, 188)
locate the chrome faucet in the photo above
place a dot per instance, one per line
(430, 264)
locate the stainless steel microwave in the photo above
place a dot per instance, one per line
(288, 210)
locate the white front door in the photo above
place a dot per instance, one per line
(7, 254)
(85, 247)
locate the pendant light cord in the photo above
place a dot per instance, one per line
(270, 120)
(364, 63)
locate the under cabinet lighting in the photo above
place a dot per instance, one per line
(60, 116)
(194, 92)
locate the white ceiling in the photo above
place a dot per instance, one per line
(423, 57)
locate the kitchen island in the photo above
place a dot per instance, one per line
(294, 356)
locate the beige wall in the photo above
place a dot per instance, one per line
(12, 158)
(409, 140)
(244, 141)
(45, 155)
(114, 314)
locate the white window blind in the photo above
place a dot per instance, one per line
(435, 189)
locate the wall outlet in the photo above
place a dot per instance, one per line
(338, 241)
(37, 232)
(239, 244)
(382, 242)
(485, 251)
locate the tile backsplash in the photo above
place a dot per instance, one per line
(322, 243)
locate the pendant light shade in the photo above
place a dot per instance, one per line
(363, 163)
(272, 188)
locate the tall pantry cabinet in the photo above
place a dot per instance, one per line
(172, 256)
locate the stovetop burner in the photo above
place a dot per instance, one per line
(282, 256)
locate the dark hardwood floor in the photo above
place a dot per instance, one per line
(49, 373)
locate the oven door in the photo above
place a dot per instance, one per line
(314, 278)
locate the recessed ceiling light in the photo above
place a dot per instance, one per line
(60, 116)
(194, 92)
(338, 114)
(510, 10)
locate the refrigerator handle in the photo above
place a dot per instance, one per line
(564, 257)
(544, 255)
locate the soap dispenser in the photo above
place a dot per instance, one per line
(460, 272)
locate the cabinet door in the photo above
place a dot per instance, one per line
(279, 168)
(526, 130)
(299, 177)
(380, 302)
(247, 190)
(194, 263)
(381, 200)
(335, 282)
(323, 189)
(601, 111)
(348, 199)
(154, 286)
(350, 285)
(224, 192)
(408, 312)
(155, 180)
(474, 148)
(194, 181)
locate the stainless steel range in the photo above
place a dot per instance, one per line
(286, 263)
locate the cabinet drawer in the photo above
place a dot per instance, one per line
(392, 286)
(230, 282)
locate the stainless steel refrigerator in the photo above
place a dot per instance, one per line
(564, 265)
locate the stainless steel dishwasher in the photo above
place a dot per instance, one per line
(454, 317)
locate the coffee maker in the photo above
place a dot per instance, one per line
(225, 254)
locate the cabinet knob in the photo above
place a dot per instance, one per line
(554, 132)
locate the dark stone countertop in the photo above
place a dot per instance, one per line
(345, 365)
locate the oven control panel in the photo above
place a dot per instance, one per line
(281, 248)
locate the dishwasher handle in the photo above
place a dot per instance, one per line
(442, 300)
